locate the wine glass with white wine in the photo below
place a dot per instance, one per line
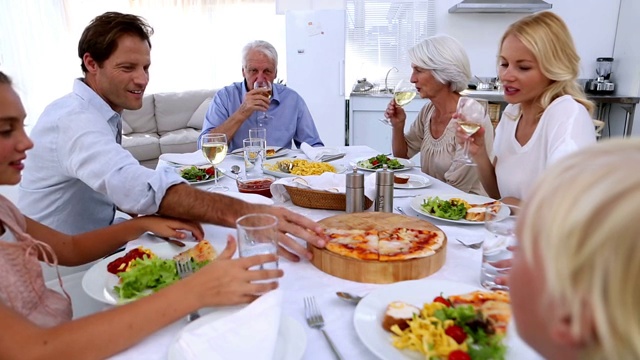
(473, 113)
(263, 84)
(403, 93)
(214, 148)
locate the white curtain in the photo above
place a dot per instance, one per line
(197, 43)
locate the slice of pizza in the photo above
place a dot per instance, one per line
(358, 244)
(404, 244)
(476, 212)
(202, 252)
(495, 306)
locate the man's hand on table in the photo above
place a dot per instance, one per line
(296, 225)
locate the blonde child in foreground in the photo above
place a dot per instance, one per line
(37, 321)
(574, 280)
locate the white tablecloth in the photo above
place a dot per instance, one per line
(303, 279)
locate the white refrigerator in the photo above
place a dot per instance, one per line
(315, 68)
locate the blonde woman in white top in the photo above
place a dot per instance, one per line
(548, 116)
(440, 71)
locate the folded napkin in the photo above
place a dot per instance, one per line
(315, 153)
(194, 158)
(325, 182)
(249, 333)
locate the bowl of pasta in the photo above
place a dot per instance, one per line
(292, 167)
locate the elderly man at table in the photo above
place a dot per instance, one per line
(78, 172)
(236, 108)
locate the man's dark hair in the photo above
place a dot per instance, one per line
(100, 37)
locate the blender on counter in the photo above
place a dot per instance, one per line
(601, 85)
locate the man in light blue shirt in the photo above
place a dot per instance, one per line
(239, 107)
(77, 172)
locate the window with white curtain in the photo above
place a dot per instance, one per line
(379, 33)
(197, 44)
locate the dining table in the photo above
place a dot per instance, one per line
(302, 279)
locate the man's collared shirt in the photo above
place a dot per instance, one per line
(76, 174)
(289, 120)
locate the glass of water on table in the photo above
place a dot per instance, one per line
(497, 249)
(257, 235)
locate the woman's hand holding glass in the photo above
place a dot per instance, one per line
(470, 114)
(403, 93)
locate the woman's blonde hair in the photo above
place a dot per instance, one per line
(549, 39)
(582, 221)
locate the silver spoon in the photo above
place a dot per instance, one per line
(399, 209)
(235, 169)
(354, 299)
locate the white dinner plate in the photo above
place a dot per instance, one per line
(369, 314)
(98, 283)
(277, 173)
(250, 198)
(220, 176)
(283, 152)
(416, 204)
(408, 164)
(415, 182)
(291, 341)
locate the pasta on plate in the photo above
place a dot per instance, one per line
(302, 167)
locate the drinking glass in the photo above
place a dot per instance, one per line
(474, 111)
(497, 248)
(259, 133)
(403, 93)
(254, 154)
(214, 148)
(263, 84)
(258, 234)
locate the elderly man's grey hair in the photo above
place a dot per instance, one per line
(262, 46)
(446, 59)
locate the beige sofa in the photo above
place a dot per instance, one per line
(166, 123)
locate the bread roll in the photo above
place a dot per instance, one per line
(398, 313)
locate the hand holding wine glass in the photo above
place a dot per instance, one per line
(263, 84)
(471, 113)
(214, 148)
(403, 93)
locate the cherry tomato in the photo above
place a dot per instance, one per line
(442, 300)
(209, 171)
(457, 333)
(459, 355)
(375, 162)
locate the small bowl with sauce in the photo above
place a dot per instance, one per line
(400, 179)
(258, 185)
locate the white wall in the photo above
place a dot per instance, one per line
(592, 24)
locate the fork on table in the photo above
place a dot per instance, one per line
(185, 269)
(316, 321)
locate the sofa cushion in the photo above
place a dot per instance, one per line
(174, 110)
(142, 146)
(126, 129)
(142, 120)
(179, 141)
(197, 119)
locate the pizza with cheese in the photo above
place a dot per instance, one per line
(384, 245)
(495, 306)
(202, 252)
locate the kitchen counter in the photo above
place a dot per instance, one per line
(603, 103)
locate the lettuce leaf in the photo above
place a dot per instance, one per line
(443, 208)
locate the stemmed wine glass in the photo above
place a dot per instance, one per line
(403, 93)
(263, 84)
(214, 149)
(473, 113)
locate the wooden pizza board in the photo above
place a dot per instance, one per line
(377, 272)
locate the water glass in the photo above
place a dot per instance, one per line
(259, 133)
(258, 234)
(497, 249)
(254, 154)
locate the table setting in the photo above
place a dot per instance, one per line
(354, 329)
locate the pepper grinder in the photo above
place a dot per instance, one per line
(384, 190)
(355, 191)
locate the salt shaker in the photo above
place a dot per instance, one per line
(355, 191)
(384, 190)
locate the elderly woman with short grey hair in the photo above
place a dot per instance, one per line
(440, 71)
